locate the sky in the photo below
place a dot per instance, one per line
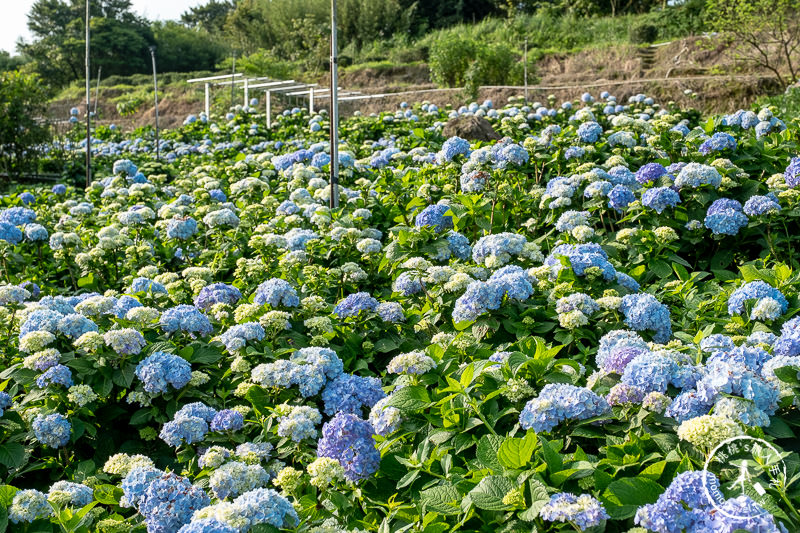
(14, 20)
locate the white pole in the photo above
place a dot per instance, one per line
(525, 59)
(311, 100)
(208, 101)
(246, 93)
(88, 91)
(155, 89)
(269, 109)
(334, 201)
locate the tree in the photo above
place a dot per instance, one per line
(23, 101)
(764, 33)
(9, 62)
(210, 17)
(120, 39)
(182, 49)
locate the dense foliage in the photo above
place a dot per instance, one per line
(546, 333)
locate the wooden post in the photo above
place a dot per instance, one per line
(334, 200)
(268, 98)
(208, 101)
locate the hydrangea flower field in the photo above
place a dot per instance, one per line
(552, 332)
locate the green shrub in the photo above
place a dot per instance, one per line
(450, 57)
(644, 33)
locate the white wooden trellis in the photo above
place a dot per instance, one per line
(207, 83)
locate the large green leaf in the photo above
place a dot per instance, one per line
(516, 453)
(443, 499)
(489, 493)
(623, 496)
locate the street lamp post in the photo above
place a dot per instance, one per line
(155, 86)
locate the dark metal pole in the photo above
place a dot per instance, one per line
(334, 200)
(88, 98)
(155, 87)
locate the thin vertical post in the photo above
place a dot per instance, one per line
(525, 60)
(246, 93)
(233, 71)
(334, 200)
(268, 98)
(88, 98)
(97, 89)
(155, 87)
(208, 101)
(311, 100)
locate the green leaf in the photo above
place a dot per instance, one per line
(516, 453)
(385, 345)
(661, 269)
(553, 459)
(259, 399)
(623, 497)
(7, 493)
(206, 355)
(12, 455)
(443, 499)
(488, 448)
(488, 494)
(108, 494)
(410, 398)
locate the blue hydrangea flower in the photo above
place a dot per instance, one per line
(217, 293)
(299, 423)
(452, 147)
(18, 216)
(690, 404)
(77, 494)
(719, 142)
(643, 312)
(184, 429)
(459, 245)
(349, 439)
(761, 205)
(511, 281)
(237, 336)
(350, 394)
(694, 175)
(207, 525)
(584, 511)
(169, 502)
(621, 175)
(161, 369)
(682, 506)
(147, 285)
(36, 232)
(581, 257)
(186, 318)
(227, 420)
(197, 409)
(434, 216)
(181, 228)
(619, 197)
(756, 290)
(408, 284)
(264, 506)
(569, 220)
(474, 181)
(55, 375)
(5, 402)
(124, 304)
(10, 233)
(74, 325)
(574, 152)
(792, 173)
(28, 505)
(558, 402)
(54, 430)
(479, 298)
(276, 292)
(725, 217)
(590, 132)
(650, 372)
(659, 198)
(498, 248)
(353, 304)
(650, 172)
(385, 419)
(308, 368)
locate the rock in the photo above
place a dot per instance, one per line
(471, 128)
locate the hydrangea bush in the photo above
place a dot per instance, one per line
(550, 332)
